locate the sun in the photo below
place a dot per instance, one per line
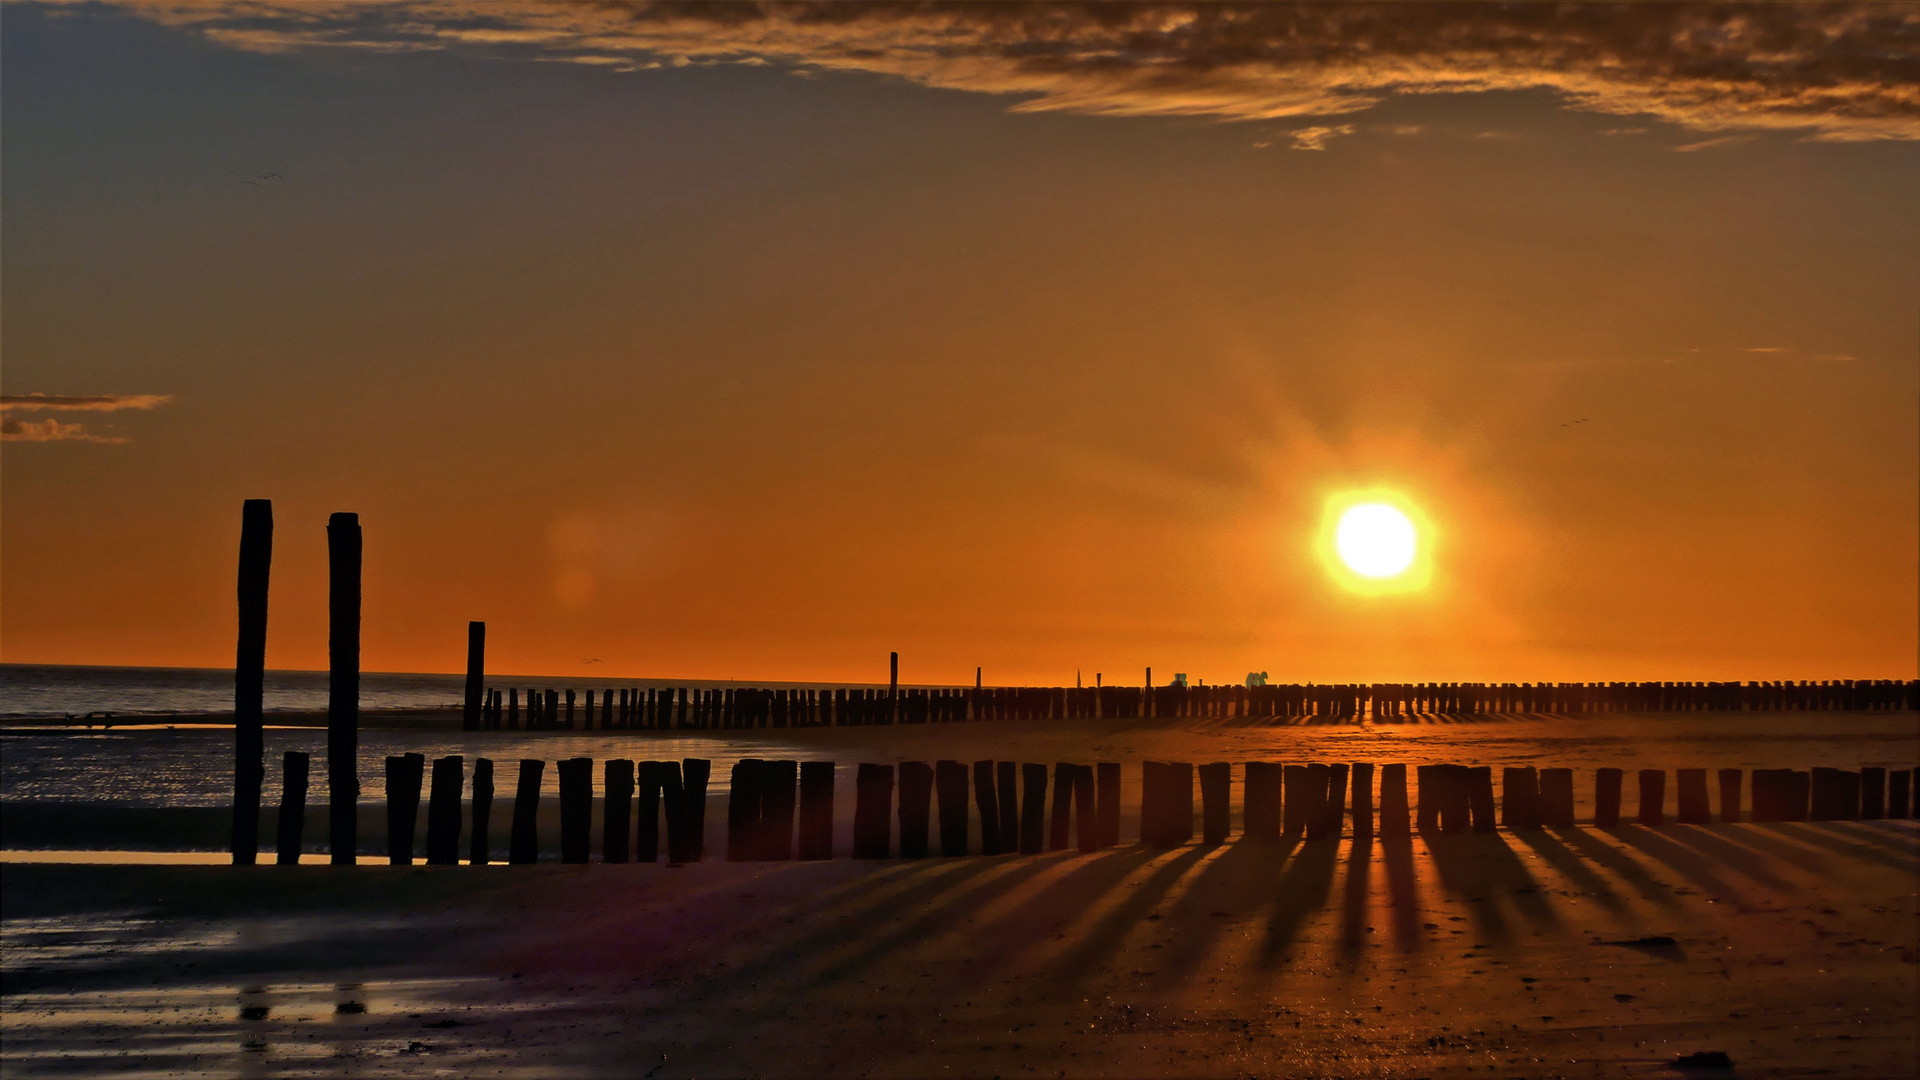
(1376, 540)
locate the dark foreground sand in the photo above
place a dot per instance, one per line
(1793, 951)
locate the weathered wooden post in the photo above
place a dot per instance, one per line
(778, 780)
(1153, 798)
(1007, 782)
(249, 682)
(650, 777)
(1060, 824)
(1314, 799)
(950, 778)
(1836, 795)
(443, 811)
(1899, 793)
(523, 843)
(893, 708)
(1556, 798)
(743, 811)
(1730, 795)
(1873, 793)
(1479, 783)
(916, 808)
(694, 773)
(1334, 808)
(1393, 801)
(1216, 802)
(576, 809)
(1107, 802)
(1179, 802)
(1033, 808)
(872, 811)
(1690, 791)
(1797, 787)
(293, 808)
(480, 853)
(1606, 797)
(404, 773)
(987, 799)
(816, 810)
(1086, 831)
(343, 687)
(616, 811)
(1297, 793)
(1520, 798)
(1362, 800)
(476, 674)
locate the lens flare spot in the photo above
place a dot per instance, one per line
(1376, 540)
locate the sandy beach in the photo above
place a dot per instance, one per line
(1791, 948)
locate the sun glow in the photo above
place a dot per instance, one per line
(1375, 540)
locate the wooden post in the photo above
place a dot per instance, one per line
(443, 811)
(1296, 792)
(616, 811)
(1520, 798)
(1836, 795)
(1216, 802)
(950, 779)
(1873, 793)
(777, 783)
(816, 810)
(1362, 800)
(1061, 823)
(404, 773)
(1730, 795)
(480, 853)
(293, 808)
(1478, 781)
(576, 809)
(1653, 793)
(1106, 799)
(652, 783)
(694, 773)
(1899, 793)
(743, 811)
(1690, 791)
(872, 811)
(1556, 798)
(1153, 797)
(523, 844)
(1336, 805)
(343, 687)
(1796, 788)
(916, 802)
(987, 799)
(1086, 828)
(1314, 799)
(893, 706)
(1007, 781)
(1033, 808)
(1179, 802)
(476, 674)
(249, 681)
(1393, 801)
(1606, 797)
(1260, 801)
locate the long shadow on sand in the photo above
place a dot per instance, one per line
(1845, 838)
(1555, 853)
(1599, 852)
(1690, 863)
(1481, 868)
(1403, 891)
(1301, 891)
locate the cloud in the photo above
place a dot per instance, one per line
(1765, 349)
(1315, 138)
(1708, 144)
(1829, 72)
(51, 430)
(93, 403)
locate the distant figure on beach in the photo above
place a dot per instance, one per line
(1179, 679)
(1256, 678)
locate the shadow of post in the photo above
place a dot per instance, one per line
(1403, 893)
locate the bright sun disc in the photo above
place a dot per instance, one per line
(1375, 540)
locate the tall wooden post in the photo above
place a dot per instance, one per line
(987, 798)
(343, 687)
(1393, 801)
(1362, 800)
(893, 688)
(523, 842)
(1216, 809)
(482, 810)
(249, 678)
(816, 810)
(1260, 801)
(617, 811)
(476, 673)
(443, 811)
(293, 809)
(576, 809)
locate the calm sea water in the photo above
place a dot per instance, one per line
(46, 691)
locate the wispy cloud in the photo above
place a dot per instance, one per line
(13, 429)
(1830, 72)
(1709, 144)
(1315, 138)
(77, 403)
(1765, 349)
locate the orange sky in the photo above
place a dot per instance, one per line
(706, 370)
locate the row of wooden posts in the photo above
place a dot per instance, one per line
(1010, 800)
(684, 708)
(759, 708)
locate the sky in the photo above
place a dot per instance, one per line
(756, 342)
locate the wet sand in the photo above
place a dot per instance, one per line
(1795, 948)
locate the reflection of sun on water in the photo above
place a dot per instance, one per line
(1375, 540)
